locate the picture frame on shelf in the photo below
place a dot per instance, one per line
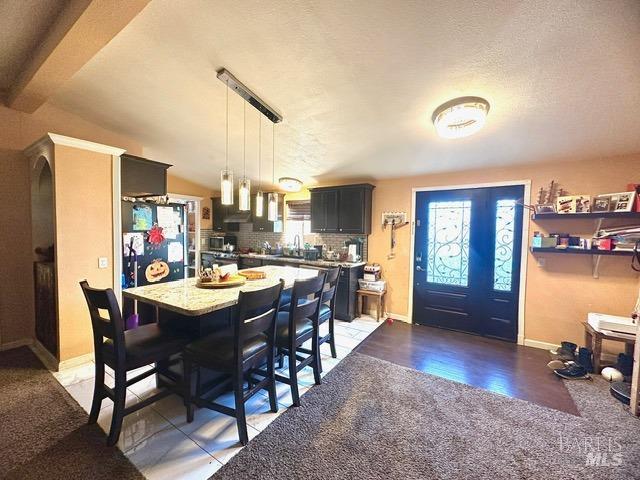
(623, 201)
(574, 204)
(601, 203)
(543, 208)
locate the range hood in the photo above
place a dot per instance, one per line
(238, 217)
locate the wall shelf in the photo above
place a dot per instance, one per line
(596, 255)
(592, 215)
(621, 253)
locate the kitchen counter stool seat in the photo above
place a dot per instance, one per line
(297, 326)
(239, 355)
(124, 351)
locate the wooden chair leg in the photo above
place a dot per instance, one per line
(117, 416)
(98, 392)
(188, 401)
(315, 352)
(332, 339)
(293, 378)
(273, 395)
(238, 385)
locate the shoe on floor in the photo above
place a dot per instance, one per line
(624, 364)
(574, 371)
(567, 351)
(556, 364)
(585, 359)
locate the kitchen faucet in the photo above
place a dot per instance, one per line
(296, 244)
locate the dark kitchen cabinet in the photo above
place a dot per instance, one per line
(219, 212)
(141, 177)
(248, 262)
(262, 224)
(343, 209)
(346, 293)
(324, 210)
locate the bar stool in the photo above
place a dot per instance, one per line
(124, 351)
(239, 354)
(295, 327)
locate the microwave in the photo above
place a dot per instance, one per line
(219, 241)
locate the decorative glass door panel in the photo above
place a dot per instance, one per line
(467, 258)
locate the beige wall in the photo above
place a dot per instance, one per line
(18, 131)
(84, 232)
(186, 187)
(559, 295)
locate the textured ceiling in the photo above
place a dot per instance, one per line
(23, 25)
(357, 82)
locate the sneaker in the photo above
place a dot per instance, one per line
(556, 364)
(585, 359)
(567, 351)
(573, 372)
(624, 364)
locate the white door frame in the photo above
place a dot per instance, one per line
(523, 249)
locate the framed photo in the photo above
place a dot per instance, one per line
(543, 208)
(623, 202)
(566, 204)
(601, 203)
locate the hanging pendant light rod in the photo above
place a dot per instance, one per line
(225, 76)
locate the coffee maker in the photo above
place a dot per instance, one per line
(354, 249)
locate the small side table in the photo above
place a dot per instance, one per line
(364, 295)
(593, 339)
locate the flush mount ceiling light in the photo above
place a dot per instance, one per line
(460, 117)
(290, 184)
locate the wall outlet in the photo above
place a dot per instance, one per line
(103, 262)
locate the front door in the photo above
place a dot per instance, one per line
(467, 260)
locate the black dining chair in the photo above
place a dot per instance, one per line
(327, 308)
(295, 327)
(124, 351)
(239, 354)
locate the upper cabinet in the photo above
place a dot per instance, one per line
(141, 177)
(219, 212)
(343, 209)
(262, 224)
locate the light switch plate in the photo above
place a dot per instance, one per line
(103, 262)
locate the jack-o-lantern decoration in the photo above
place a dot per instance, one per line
(156, 270)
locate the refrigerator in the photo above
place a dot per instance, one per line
(154, 248)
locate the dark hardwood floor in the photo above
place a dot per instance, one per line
(494, 365)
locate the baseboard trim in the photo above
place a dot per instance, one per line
(45, 356)
(23, 342)
(397, 316)
(538, 344)
(75, 361)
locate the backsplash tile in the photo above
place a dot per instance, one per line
(247, 238)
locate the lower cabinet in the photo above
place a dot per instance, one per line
(346, 293)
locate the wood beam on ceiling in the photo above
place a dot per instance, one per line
(81, 30)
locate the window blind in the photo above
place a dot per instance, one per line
(298, 210)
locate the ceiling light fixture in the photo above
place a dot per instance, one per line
(244, 187)
(259, 195)
(460, 117)
(290, 184)
(226, 176)
(272, 198)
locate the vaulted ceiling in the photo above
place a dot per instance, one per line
(357, 81)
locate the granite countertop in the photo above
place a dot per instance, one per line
(182, 296)
(318, 263)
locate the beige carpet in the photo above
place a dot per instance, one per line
(372, 419)
(43, 431)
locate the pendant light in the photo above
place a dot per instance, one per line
(244, 188)
(272, 199)
(226, 176)
(259, 195)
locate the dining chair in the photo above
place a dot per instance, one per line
(124, 351)
(238, 353)
(327, 307)
(298, 325)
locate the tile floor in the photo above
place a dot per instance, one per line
(162, 445)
